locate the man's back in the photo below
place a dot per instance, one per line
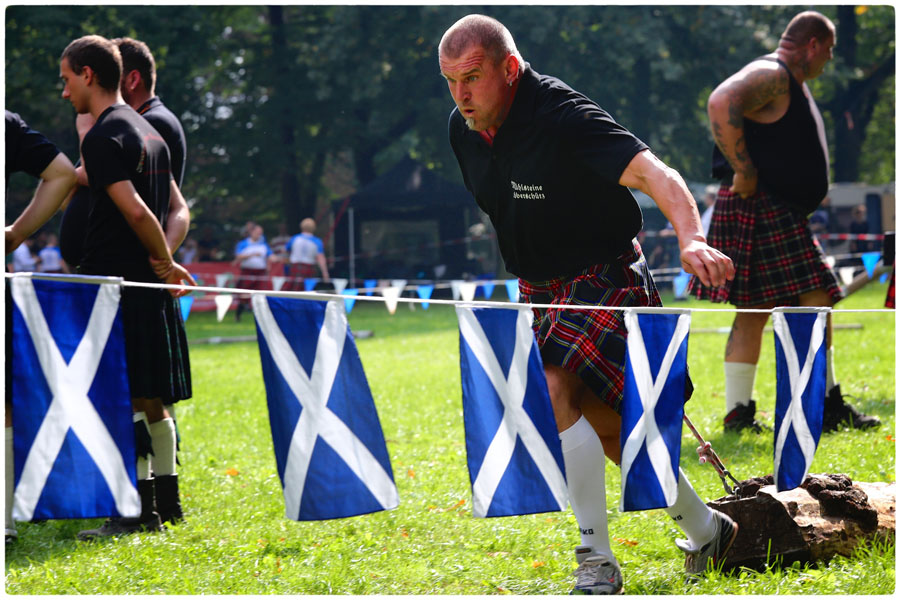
(167, 124)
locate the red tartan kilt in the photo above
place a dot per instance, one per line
(776, 257)
(591, 343)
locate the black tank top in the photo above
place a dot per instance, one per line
(788, 154)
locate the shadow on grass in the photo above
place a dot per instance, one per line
(39, 542)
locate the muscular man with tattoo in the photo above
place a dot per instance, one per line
(772, 158)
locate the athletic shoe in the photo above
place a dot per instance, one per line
(122, 526)
(597, 574)
(837, 412)
(742, 417)
(711, 554)
(11, 535)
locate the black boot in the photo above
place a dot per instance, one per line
(742, 417)
(147, 521)
(837, 412)
(168, 502)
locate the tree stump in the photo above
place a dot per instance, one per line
(826, 516)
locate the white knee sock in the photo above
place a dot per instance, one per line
(163, 435)
(738, 384)
(690, 513)
(586, 477)
(10, 480)
(829, 369)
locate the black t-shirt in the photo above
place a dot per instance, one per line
(73, 226)
(122, 146)
(167, 124)
(27, 150)
(550, 180)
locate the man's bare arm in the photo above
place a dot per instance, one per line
(148, 230)
(179, 220)
(57, 180)
(745, 94)
(665, 186)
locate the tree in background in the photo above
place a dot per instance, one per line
(287, 107)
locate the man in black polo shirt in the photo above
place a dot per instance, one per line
(773, 161)
(138, 89)
(551, 169)
(127, 167)
(30, 152)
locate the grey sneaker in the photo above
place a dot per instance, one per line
(597, 574)
(710, 555)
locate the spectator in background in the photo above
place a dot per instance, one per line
(24, 260)
(306, 251)
(252, 254)
(50, 257)
(188, 252)
(279, 245)
(860, 225)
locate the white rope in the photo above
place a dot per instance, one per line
(362, 296)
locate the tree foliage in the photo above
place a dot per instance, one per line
(286, 107)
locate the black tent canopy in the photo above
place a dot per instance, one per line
(405, 222)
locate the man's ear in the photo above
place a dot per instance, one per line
(132, 80)
(88, 74)
(512, 67)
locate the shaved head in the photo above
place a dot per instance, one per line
(479, 30)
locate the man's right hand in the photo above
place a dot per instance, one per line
(178, 275)
(743, 185)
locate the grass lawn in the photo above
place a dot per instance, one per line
(235, 539)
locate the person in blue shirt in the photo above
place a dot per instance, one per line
(252, 254)
(305, 252)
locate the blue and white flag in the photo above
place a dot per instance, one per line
(800, 392)
(653, 408)
(329, 447)
(73, 437)
(513, 449)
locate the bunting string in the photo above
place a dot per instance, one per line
(472, 303)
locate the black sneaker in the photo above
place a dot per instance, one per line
(838, 412)
(122, 526)
(741, 417)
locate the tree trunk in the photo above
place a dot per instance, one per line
(854, 101)
(826, 516)
(290, 187)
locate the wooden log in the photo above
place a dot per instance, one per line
(828, 515)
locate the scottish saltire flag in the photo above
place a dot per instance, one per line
(329, 447)
(800, 392)
(513, 449)
(73, 438)
(653, 407)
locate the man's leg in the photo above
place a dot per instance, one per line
(837, 411)
(10, 524)
(709, 532)
(741, 357)
(598, 572)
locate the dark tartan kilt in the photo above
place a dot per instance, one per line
(297, 274)
(253, 279)
(155, 345)
(775, 255)
(591, 343)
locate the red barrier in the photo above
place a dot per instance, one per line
(206, 274)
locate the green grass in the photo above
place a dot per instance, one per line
(236, 540)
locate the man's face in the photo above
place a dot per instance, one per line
(820, 53)
(479, 88)
(75, 89)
